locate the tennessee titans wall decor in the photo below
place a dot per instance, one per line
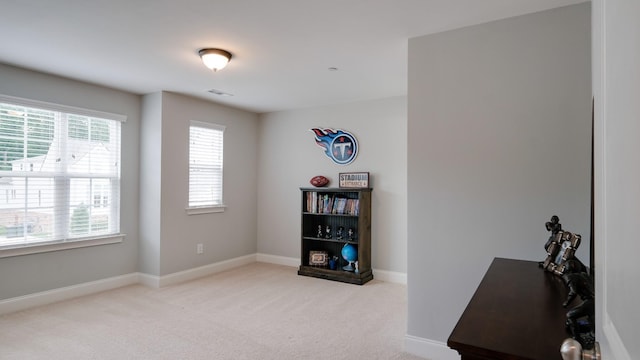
(340, 146)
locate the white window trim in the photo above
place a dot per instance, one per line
(205, 209)
(42, 247)
(36, 248)
(199, 210)
(62, 108)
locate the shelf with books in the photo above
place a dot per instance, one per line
(331, 219)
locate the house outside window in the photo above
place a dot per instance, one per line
(206, 142)
(55, 162)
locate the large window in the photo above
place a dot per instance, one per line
(59, 174)
(205, 167)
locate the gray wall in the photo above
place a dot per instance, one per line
(499, 140)
(169, 236)
(151, 178)
(154, 188)
(28, 274)
(289, 157)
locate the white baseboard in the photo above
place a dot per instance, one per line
(202, 271)
(617, 348)
(429, 349)
(65, 293)
(153, 281)
(279, 260)
(390, 276)
(383, 275)
(147, 280)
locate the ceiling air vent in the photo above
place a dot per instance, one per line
(219, 93)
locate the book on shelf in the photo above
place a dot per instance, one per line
(327, 204)
(312, 202)
(318, 203)
(339, 206)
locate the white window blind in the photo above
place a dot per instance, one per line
(205, 164)
(59, 173)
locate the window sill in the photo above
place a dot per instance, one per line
(205, 209)
(59, 245)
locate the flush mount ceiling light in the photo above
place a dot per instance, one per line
(215, 59)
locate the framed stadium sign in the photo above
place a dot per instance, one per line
(340, 146)
(354, 180)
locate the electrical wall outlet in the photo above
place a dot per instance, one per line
(199, 248)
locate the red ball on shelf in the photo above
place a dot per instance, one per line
(319, 181)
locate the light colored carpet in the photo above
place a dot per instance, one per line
(258, 311)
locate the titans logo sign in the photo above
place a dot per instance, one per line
(340, 146)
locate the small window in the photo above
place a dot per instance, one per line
(205, 167)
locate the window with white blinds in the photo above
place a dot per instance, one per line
(205, 167)
(59, 173)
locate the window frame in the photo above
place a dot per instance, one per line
(211, 208)
(68, 243)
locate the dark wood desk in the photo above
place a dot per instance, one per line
(516, 313)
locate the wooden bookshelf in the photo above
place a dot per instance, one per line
(337, 210)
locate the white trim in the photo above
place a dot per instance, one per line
(63, 108)
(191, 274)
(65, 293)
(278, 260)
(616, 345)
(197, 210)
(429, 349)
(207, 125)
(148, 280)
(390, 276)
(36, 248)
(382, 275)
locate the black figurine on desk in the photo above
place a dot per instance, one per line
(580, 318)
(552, 246)
(554, 226)
(561, 247)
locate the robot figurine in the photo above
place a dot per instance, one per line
(552, 245)
(561, 247)
(580, 318)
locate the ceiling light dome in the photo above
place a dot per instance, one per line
(215, 59)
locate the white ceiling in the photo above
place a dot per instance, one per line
(282, 49)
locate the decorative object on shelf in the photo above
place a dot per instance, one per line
(319, 181)
(354, 180)
(350, 234)
(554, 226)
(561, 260)
(319, 233)
(333, 263)
(327, 232)
(580, 318)
(561, 247)
(350, 254)
(340, 232)
(318, 258)
(340, 146)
